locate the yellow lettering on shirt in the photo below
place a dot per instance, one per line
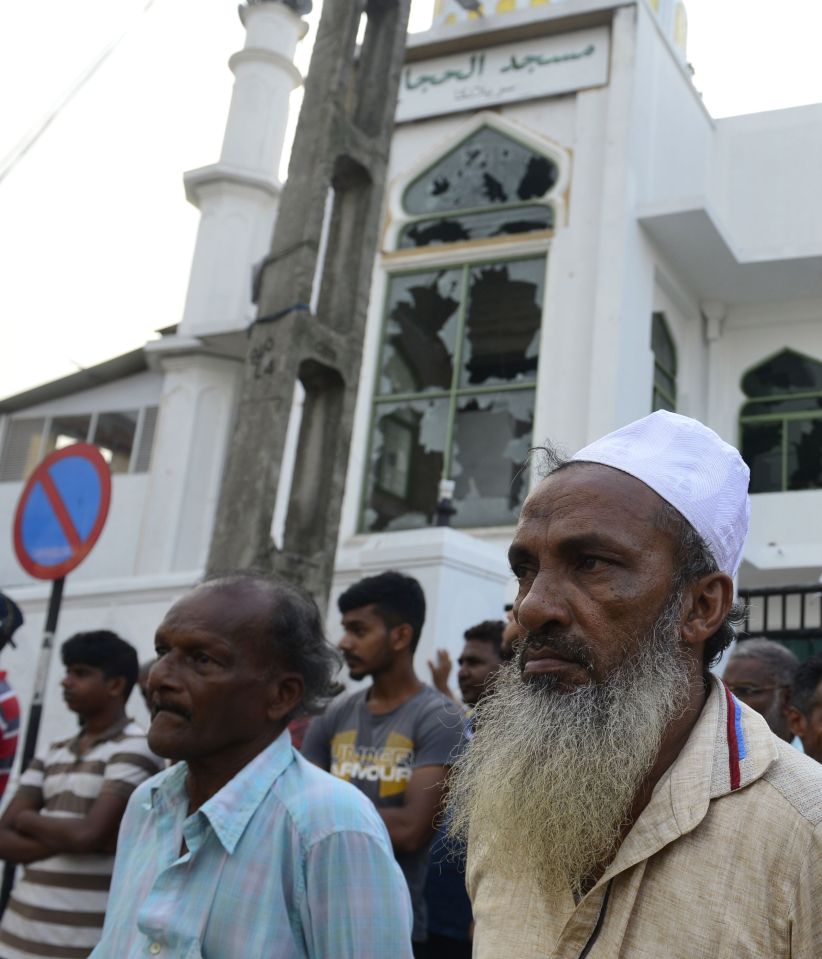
(389, 765)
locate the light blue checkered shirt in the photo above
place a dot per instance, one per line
(284, 862)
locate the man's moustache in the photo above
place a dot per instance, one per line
(161, 706)
(565, 646)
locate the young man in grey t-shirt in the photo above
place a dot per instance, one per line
(395, 740)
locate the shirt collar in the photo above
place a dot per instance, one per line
(229, 810)
(109, 733)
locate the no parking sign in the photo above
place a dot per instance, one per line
(60, 515)
(62, 511)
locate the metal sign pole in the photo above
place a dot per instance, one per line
(36, 710)
(42, 675)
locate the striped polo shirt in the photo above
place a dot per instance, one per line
(58, 904)
(9, 728)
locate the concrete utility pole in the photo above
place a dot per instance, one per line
(340, 152)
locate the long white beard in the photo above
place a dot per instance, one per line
(546, 785)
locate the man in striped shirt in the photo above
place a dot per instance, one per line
(63, 821)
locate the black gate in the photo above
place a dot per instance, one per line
(791, 615)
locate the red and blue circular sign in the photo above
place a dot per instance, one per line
(62, 511)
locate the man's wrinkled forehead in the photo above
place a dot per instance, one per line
(229, 610)
(587, 507)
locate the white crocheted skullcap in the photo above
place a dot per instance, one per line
(691, 468)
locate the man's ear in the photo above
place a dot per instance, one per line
(707, 603)
(285, 693)
(797, 723)
(401, 636)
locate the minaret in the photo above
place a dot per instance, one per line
(237, 196)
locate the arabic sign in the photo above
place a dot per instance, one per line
(519, 71)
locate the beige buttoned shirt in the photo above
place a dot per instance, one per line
(725, 862)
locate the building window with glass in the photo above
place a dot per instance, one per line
(781, 424)
(124, 437)
(455, 396)
(664, 350)
(456, 381)
(489, 186)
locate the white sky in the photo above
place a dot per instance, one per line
(95, 233)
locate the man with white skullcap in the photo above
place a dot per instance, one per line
(617, 800)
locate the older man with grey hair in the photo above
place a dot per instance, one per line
(617, 799)
(242, 848)
(760, 673)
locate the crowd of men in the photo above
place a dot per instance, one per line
(594, 791)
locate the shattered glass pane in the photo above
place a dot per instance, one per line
(762, 451)
(793, 405)
(420, 332)
(805, 454)
(509, 221)
(408, 446)
(787, 372)
(492, 435)
(488, 168)
(503, 322)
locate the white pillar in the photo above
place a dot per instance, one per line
(190, 447)
(237, 196)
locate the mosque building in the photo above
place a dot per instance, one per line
(569, 242)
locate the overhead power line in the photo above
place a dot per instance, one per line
(17, 152)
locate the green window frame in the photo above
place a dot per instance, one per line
(663, 395)
(452, 398)
(780, 427)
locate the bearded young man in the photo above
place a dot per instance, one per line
(617, 800)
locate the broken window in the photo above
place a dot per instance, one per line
(781, 427)
(418, 353)
(477, 226)
(455, 394)
(487, 186)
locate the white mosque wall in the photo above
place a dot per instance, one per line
(763, 166)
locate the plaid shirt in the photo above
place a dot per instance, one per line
(284, 862)
(724, 861)
(9, 727)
